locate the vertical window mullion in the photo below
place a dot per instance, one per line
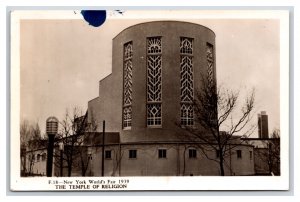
(127, 85)
(210, 63)
(187, 81)
(154, 80)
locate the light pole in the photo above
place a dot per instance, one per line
(61, 149)
(51, 130)
(103, 140)
(89, 152)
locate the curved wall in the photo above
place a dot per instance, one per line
(111, 89)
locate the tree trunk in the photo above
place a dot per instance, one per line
(70, 162)
(222, 164)
(83, 170)
(30, 166)
(69, 171)
(70, 167)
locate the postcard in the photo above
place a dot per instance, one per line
(122, 100)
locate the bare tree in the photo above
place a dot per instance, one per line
(269, 154)
(117, 162)
(75, 131)
(274, 153)
(30, 139)
(24, 133)
(215, 109)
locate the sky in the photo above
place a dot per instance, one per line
(62, 61)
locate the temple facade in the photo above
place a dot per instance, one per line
(157, 68)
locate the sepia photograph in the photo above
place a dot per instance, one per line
(110, 100)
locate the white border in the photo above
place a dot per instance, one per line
(161, 183)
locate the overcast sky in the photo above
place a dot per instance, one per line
(62, 62)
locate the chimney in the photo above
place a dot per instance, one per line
(263, 131)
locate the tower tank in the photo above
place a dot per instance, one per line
(156, 70)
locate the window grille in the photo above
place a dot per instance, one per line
(210, 63)
(154, 81)
(128, 51)
(186, 45)
(186, 81)
(187, 114)
(127, 85)
(154, 114)
(128, 82)
(154, 45)
(127, 112)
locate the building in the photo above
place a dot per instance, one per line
(266, 149)
(266, 155)
(156, 69)
(33, 158)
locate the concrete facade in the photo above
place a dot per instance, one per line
(109, 103)
(147, 141)
(143, 150)
(266, 155)
(176, 163)
(33, 162)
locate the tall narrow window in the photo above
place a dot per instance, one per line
(186, 81)
(210, 63)
(127, 86)
(154, 81)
